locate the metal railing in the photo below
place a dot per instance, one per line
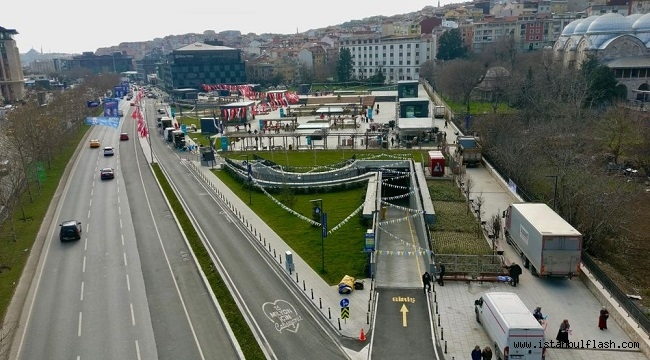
(632, 308)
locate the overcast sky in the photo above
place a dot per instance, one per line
(74, 26)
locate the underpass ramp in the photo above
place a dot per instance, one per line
(402, 326)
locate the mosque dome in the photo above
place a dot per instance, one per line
(581, 28)
(632, 18)
(610, 23)
(568, 30)
(642, 23)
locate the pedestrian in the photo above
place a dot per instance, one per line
(392, 142)
(476, 353)
(441, 276)
(487, 353)
(602, 319)
(515, 271)
(445, 123)
(563, 333)
(538, 314)
(426, 281)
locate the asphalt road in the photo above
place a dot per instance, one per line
(281, 319)
(129, 288)
(89, 301)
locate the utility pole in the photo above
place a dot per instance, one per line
(554, 191)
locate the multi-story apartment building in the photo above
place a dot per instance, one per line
(397, 57)
(491, 30)
(200, 63)
(535, 31)
(320, 58)
(12, 81)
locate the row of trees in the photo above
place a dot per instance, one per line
(35, 134)
(567, 123)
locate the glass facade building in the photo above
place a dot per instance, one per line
(197, 64)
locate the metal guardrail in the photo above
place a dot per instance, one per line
(632, 309)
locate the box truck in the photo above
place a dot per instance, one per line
(547, 244)
(514, 332)
(469, 150)
(438, 111)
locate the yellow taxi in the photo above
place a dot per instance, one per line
(94, 143)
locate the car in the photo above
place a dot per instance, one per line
(70, 230)
(94, 143)
(162, 111)
(107, 173)
(121, 113)
(108, 151)
(132, 104)
(124, 136)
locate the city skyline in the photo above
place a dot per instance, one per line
(50, 28)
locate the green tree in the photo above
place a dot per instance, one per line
(603, 88)
(451, 46)
(378, 79)
(428, 72)
(344, 66)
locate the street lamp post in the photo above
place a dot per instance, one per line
(554, 191)
(250, 180)
(318, 209)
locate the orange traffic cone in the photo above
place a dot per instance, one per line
(362, 337)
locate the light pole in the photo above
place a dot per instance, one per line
(318, 210)
(249, 170)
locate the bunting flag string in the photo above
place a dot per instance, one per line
(404, 242)
(338, 226)
(402, 253)
(395, 186)
(393, 171)
(395, 221)
(286, 208)
(405, 209)
(397, 197)
(396, 178)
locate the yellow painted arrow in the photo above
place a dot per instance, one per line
(404, 311)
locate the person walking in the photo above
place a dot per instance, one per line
(487, 353)
(476, 353)
(445, 123)
(563, 333)
(441, 276)
(602, 319)
(515, 271)
(426, 281)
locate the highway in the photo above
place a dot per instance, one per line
(129, 288)
(281, 318)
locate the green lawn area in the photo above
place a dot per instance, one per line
(456, 229)
(478, 107)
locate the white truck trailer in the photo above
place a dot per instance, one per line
(548, 245)
(438, 111)
(514, 332)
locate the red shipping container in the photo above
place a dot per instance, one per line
(436, 163)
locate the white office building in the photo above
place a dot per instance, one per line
(398, 57)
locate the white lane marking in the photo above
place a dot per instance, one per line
(125, 263)
(137, 350)
(89, 214)
(87, 227)
(118, 199)
(132, 314)
(79, 331)
(90, 203)
(128, 283)
(119, 210)
(78, 357)
(82, 291)
(122, 235)
(120, 223)
(83, 267)
(92, 191)
(85, 244)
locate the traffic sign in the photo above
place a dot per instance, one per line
(345, 302)
(345, 313)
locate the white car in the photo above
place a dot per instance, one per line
(108, 151)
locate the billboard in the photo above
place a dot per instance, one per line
(110, 121)
(110, 107)
(210, 125)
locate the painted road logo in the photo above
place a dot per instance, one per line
(283, 315)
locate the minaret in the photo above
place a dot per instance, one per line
(438, 3)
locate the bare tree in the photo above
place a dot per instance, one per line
(459, 77)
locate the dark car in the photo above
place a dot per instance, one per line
(124, 136)
(107, 173)
(70, 230)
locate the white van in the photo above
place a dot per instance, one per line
(514, 332)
